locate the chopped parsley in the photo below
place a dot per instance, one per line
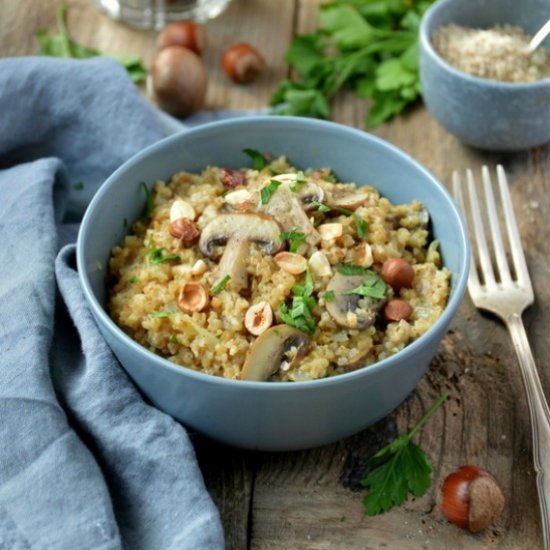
(345, 211)
(160, 314)
(373, 287)
(173, 339)
(361, 226)
(149, 200)
(321, 207)
(294, 238)
(300, 313)
(329, 296)
(300, 178)
(258, 160)
(350, 269)
(217, 288)
(158, 258)
(267, 192)
(133, 279)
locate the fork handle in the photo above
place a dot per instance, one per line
(540, 418)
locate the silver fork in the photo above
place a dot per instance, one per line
(507, 293)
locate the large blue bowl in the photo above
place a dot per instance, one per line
(491, 115)
(265, 415)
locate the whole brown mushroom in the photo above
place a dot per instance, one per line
(179, 81)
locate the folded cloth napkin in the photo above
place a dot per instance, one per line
(84, 461)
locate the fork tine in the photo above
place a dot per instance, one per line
(479, 233)
(520, 266)
(498, 245)
(457, 192)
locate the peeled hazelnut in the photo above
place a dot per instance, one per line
(243, 63)
(258, 318)
(319, 264)
(397, 310)
(237, 197)
(199, 267)
(192, 297)
(329, 231)
(184, 229)
(292, 263)
(397, 273)
(362, 255)
(181, 209)
(471, 498)
(185, 34)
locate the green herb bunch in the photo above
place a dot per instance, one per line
(62, 45)
(368, 46)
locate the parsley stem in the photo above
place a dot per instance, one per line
(442, 398)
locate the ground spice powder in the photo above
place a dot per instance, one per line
(497, 53)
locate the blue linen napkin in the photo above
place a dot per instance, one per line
(84, 461)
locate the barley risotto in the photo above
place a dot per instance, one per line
(271, 273)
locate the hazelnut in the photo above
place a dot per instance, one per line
(243, 63)
(397, 273)
(184, 229)
(258, 318)
(192, 297)
(292, 263)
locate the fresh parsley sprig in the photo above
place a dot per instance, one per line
(370, 47)
(259, 162)
(149, 203)
(218, 287)
(62, 45)
(400, 468)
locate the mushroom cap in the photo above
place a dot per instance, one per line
(259, 228)
(343, 303)
(268, 351)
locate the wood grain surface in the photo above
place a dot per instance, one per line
(313, 499)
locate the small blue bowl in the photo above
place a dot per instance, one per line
(484, 113)
(265, 415)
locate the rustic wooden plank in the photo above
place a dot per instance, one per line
(312, 499)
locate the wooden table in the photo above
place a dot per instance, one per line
(312, 499)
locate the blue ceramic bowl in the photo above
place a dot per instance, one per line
(265, 415)
(485, 113)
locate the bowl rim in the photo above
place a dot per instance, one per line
(427, 46)
(307, 385)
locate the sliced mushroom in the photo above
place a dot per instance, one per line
(236, 232)
(270, 350)
(348, 199)
(287, 209)
(308, 192)
(344, 309)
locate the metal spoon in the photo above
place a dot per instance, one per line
(539, 37)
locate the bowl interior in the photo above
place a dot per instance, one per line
(354, 156)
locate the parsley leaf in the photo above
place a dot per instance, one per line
(320, 206)
(329, 296)
(300, 178)
(300, 313)
(373, 286)
(361, 226)
(218, 287)
(133, 279)
(400, 468)
(350, 269)
(267, 192)
(62, 45)
(258, 160)
(160, 314)
(370, 47)
(158, 258)
(294, 238)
